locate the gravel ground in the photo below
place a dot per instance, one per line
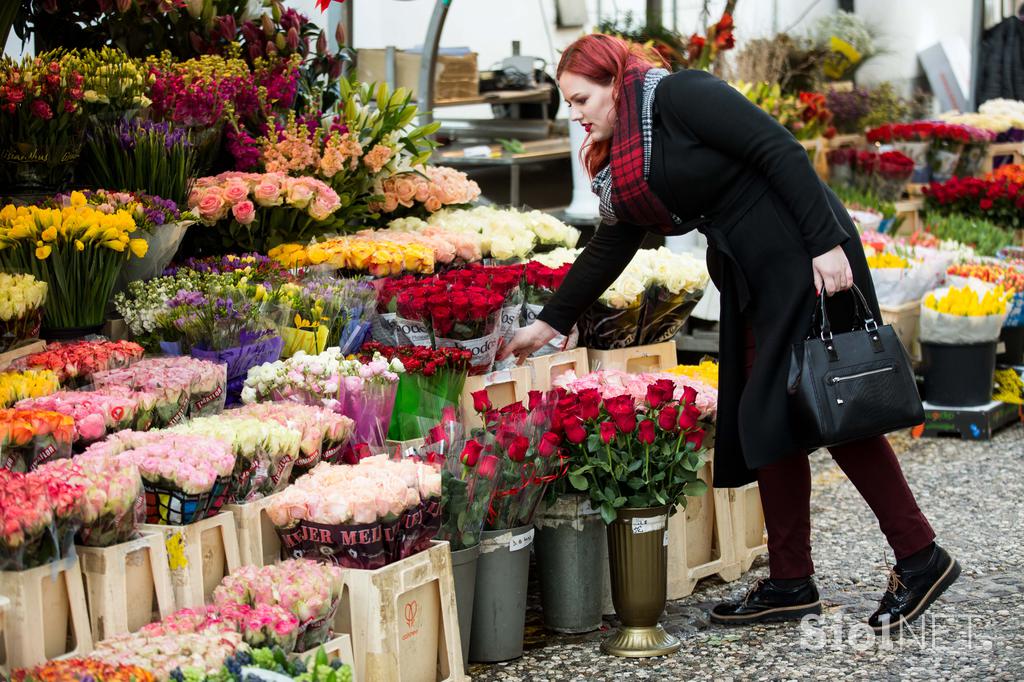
(971, 493)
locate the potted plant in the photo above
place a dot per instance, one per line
(636, 461)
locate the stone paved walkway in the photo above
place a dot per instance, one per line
(973, 495)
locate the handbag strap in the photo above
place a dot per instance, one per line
(861, 308)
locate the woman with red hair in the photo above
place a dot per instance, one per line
(671, 153)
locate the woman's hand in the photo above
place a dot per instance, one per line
(527, 340)
(832, 270)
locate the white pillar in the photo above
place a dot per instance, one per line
(584, 204)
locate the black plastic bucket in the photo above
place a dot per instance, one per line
(958, 375)
(1013, 337)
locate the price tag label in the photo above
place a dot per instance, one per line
(521, 541)
(664, 539)
(648, 525)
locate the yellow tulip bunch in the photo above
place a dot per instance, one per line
(79, 225)
(966, 302)
(31, 383)
(378, 258)
(887, 260)
(77, 250)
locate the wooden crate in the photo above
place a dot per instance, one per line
(816, 149)
(750, 539)
(905, 319)
(127, 586)
(503, 387)
(258, 542)
(48, 617)
(8, 358)
(547, 368)
(1000, 149)
(403, 620)
(199, 555)
(910, 210)
(337, 648)
(655, 357)
(700, 540)
(455, 76)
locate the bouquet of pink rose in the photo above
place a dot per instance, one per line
(264, 452)
(323, 433)
(184, 385)
(262, 625)
(364, 516)
(108, 506)
(258, 211)
(185, 476)
(613, 383)
(95, 412)
(38, 518)
(200, 653)
(307, 589)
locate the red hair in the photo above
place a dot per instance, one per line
(602, 59)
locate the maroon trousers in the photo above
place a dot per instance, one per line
(871, 466)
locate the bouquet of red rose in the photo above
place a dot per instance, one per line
(997, 201)
(541, 284)
(625, 454)
(433, 380)
(528, 451)
(894, 171)
(948, 142)
(506, 280)
(974, 151)
(467, 481)
(865, 165)
(913, 139)
(840, 165)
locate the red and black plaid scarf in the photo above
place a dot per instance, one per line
(631, 197)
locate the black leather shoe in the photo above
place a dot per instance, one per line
(910, 593)
(768, 602)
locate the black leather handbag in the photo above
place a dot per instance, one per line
(851, 385)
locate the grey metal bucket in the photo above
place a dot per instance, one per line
(499, 606)
(569, 543)
(464, 563)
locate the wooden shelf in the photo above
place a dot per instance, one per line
(540, 94)
(535, 150)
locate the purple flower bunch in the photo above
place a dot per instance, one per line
(256, 267)
(848, 109)
(129, 134)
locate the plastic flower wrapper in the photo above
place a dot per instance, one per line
(541, 282)
(199, 653)
(264, 452)
(366, 395)
(900, 278)
(82, 669)
(109, 503)
(506, 280)
(95, 413)
(30, 383)
(323, 433)
(355, 516)
(971, 314)
(27, 536)
(30, 438)
(64, 494)
(307, 589)
(614, 320)
(467, 481)
(389, 327)
(184, 386)
(433, 381)
(21, 309)
(185, 476)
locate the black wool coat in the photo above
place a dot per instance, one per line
(730, 170)
(1002, 62)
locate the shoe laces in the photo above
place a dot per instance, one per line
(894, 581)
(754, 588)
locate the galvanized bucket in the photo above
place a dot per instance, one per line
(464, 563)
(570, 551)
(499, 606)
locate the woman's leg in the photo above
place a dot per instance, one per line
(872, 467)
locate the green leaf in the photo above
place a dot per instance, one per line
(608, 512)
(634, 465)
(619, 501)
(636, 483)
(695, 488)
(578, 482)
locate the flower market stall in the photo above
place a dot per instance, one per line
(300, 458)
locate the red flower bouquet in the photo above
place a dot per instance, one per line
(39, 516)
(913, 139)
(541, 283)
(502, 279)
(75, 362)
(997, 201)
(894, 171)
(840, 165)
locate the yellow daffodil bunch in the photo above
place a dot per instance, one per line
(77, 250)
(378, 258)
(706, 372)
(967, 302)
(20, 295)
(887, 260)
(31, 383)
(112, 78)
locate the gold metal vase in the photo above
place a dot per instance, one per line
(638, 563)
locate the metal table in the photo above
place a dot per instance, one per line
(536, 151)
